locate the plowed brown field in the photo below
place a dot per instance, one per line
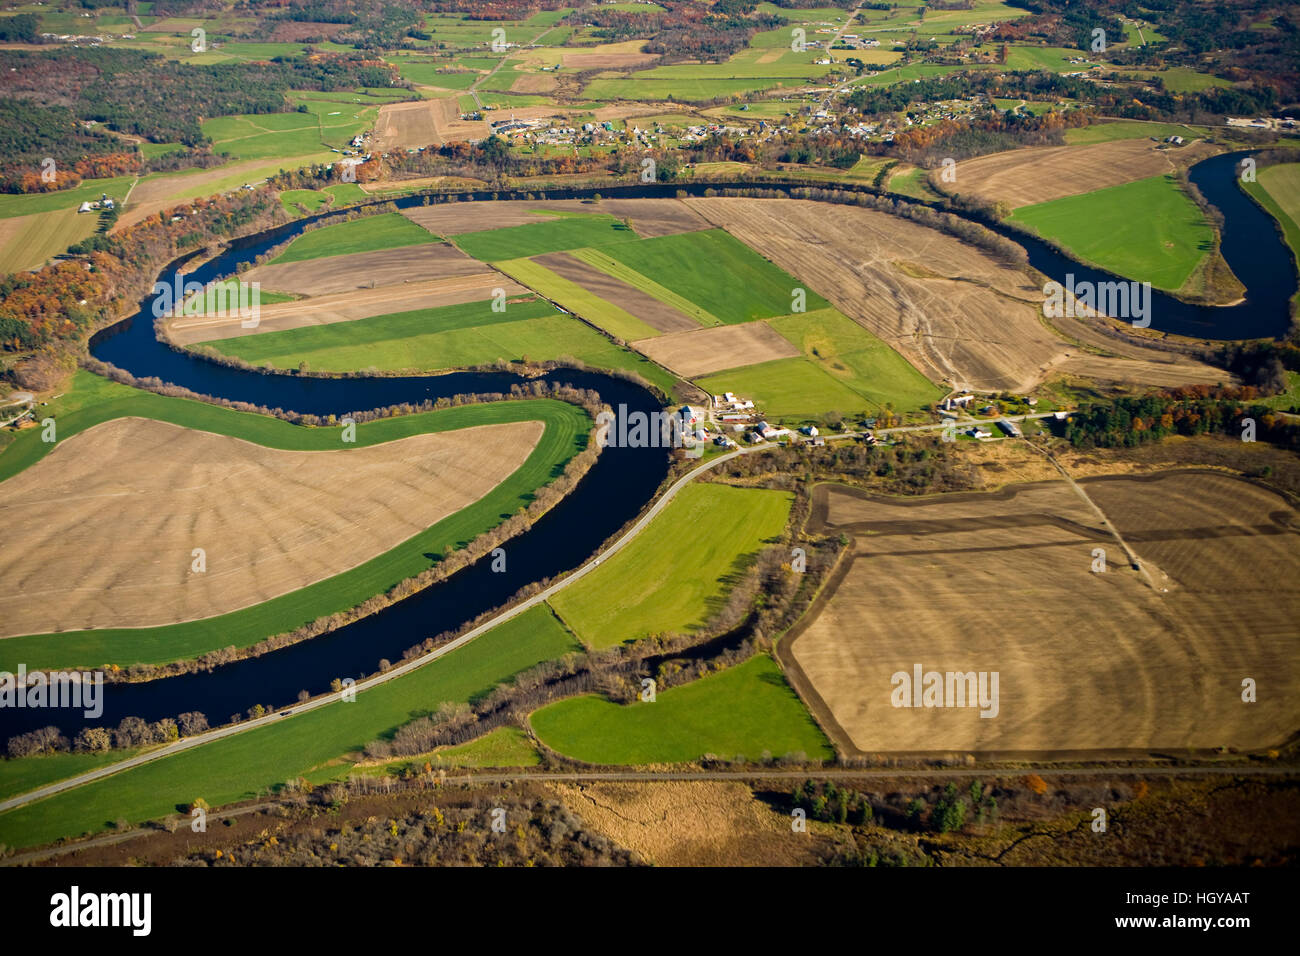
(704, 351)
(954, 312)
(1087, 661)
(100, 532)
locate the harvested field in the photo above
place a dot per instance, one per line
(101, 531)
(704, 351)
(365, 270)
(608, 61)
(346, 307)
(403, 125)
(694, 823)
(646, 308)
(649, 217)
(534, 83)
(1003, 582)
(1023, 177)
(300, 31)
(954, 312)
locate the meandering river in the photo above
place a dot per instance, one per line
(617, 487)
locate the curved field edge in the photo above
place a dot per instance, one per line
(565, 435)
(310, 744)
(740, 713)
(1146, 230)
(1260, 192)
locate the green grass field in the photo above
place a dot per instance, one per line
(449, 337)
(789, 390)
(272, 135)
(569, 295)
(89, 190)
(240, 767)
(503, 747)
(40, 237)
(31, 773)
(554, 234)
(94, 400)
(1128, 129)
(390, 230)
(717, 272)
(607, 264)
(316, 199)
(739, 712)
(1147, 230)
(855, 357)
(712, 530)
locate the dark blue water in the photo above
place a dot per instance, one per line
(614, 490)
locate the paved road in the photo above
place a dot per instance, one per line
(407, 667)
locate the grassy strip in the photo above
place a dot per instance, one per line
(576, 299)
(1146, 230)
(789, 390)
(454, 336)
(32, 773)
(537, 238)
(851, 354)
(712, 530)
(565, 435)
(624, 273)
(744, 711)
(388, 230)
(726, 277)
(247, 764)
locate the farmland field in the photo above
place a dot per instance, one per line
(132, 560)
(711, 529)
(789, 390)
(1152, 667)
(240, 767)
(28, 242)
(561, 232)
(569, 295)
(1147, 229)
(693, 265)
(1023, 177)
(388, 230)
(744, 710)
(448, 337)
(93, 401)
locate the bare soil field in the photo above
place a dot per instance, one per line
(954, 312)
(649, 217)
(691, 823)
(645, 307)
(534, 83)
(608, 61)
(401, 125)
(101, 531)
(704, 351)
(366, 270)
(345, 307)
(298, 32)
(1003, 582)
(1022, 177)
